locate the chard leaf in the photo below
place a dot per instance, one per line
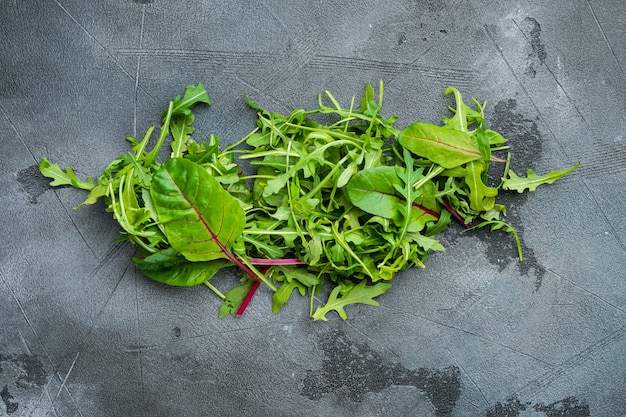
(200, 219)
(359, 294)
(373, 191)
(169, 267)
(443, 146)
(378, 191)
(532, 180)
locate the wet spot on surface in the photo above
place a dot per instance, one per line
(525, 139)
(538, 53)
(567, 407)
(512, 407)
(177, 332)
(32, 182)
(19, 373)
(9, 402)
(27, 370)
(357, 370)
(402, 38)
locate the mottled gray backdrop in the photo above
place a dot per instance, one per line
(476, 333)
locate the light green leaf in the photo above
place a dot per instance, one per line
(532, 180)
(359, 294)
(61, 177)
(193, 95)
(368, 96)
(181, 130)
(281, 296)
(234, 298)
(482, 197)
(443, 146)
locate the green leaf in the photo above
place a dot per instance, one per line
(181, 130)
(300, 274)
(445, 147)
(464, 116)
(368, 96)
(169, 267)
(532, 181)
(377, 191)
(373, 191)
(359, 294)
(61, 177)
(200, 219)
(193, 95)
(281, 296)
(234, 298)
(482, 197)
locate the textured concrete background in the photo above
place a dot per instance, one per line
(475, 334)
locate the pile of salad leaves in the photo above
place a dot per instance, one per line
(340, 197)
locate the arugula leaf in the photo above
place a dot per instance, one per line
(181, 130)
(282, 295)
(234, 298)
(464, 116)
(482, 197)
(193, 95)
(532, 180)
(361, 293)
(368, 96)
(61, 177)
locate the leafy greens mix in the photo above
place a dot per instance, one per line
(349, 202)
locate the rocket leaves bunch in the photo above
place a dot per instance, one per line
(340, 197)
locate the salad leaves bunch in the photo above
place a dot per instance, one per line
(339, 197)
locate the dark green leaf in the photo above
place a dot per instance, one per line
(171, 268)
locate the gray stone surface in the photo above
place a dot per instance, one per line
(476, 333)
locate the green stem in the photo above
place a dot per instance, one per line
(258, 273)
(432, 173)
(323, 182)
(154, 153)
(215, 290)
